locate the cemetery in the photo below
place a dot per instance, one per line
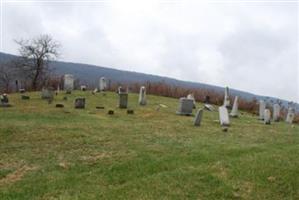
(86, 145)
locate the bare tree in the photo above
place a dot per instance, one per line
(36, 54)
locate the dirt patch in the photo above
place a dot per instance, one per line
(95, 157)
(16, 175)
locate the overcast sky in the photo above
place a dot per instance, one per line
(246, 45)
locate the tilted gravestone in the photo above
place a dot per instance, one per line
(226, 101)
(68, 83)
(185, 106)
(47, 93)
(80, 103)
(223, 116)
(83, 87)
(290, 115)
(262, 107)
(276, 112)
(191, 96)
(142, 96)
(198, 117)
(235, 112)
(209, 107)
(123, 100)
(267, 116)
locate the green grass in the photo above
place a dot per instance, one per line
(63, 153)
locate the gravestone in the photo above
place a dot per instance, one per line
(80, 103)
(267, 116)
(123, 100)
(142, 96)
(24, 97)
(185, 106)
(47, 93)
(290, 115)
(198, 117)
(262, 107)
(83, 87)
(103, 83)
(226, 101)
(209, 107)
(276, 112)
(100, 107)
(4, 101)
(130, 111)
(207, 100)
(191, 96)
(110, 112)
(223, 116)
(235, 112)
(59, 105)
(22, 90)
(68, 83)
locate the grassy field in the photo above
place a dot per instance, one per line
(66, 153)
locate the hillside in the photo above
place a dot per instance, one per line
(90, 74)
(64, 153)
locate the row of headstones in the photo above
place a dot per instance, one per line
(186, 105)
(69, 84)
(265, 113)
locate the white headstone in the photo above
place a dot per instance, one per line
(47, 93)
(276, 112)
(103, 84)
(262, 107)
(198, 117)
(68, 82)
(235, 112)
(290, 115)
(223, 116)
(142, 96)
(83, 87)
(185, 106)
(267, 116)
(191, 96)
(226, 101)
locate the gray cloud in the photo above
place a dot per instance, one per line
(247, 46)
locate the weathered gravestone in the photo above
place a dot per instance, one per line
(191, 96)
(80, 103)
(83, 87)
(290, 115)
(22, 90)
(24, 97)
(223, 116)
(207, 100)
(185, 106)
(235, 112)
(198, 117)
(47, 93)
(130, 111)
(59, 105)
(142, 96)
(103, 84)
(68, 83)
(276, 112)
(267, 116)
(209, 107)
(226, 101)
(262, 107)
(123, 100)
(4, 101)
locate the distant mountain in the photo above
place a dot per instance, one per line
(90, 74)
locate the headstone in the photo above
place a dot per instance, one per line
(103, 83)
(191, 96)
(83, 87)
(24, 97)
(226, 101)
(22, 90)
(207, 100)
(223, 116)
(80, 103)
(262, 107)
(130, 111)
(123, 100)
(290, 115)
(235, 112)
(47, 93)
(68, 83)
(267, 116)
(100, 107)
(110, 112)
(209, 107)
(276, 112)
(142, 96)
(120, 89)
(198, 117)
(4, 98)
(59, 105)
(65, 98)
(185, 106)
